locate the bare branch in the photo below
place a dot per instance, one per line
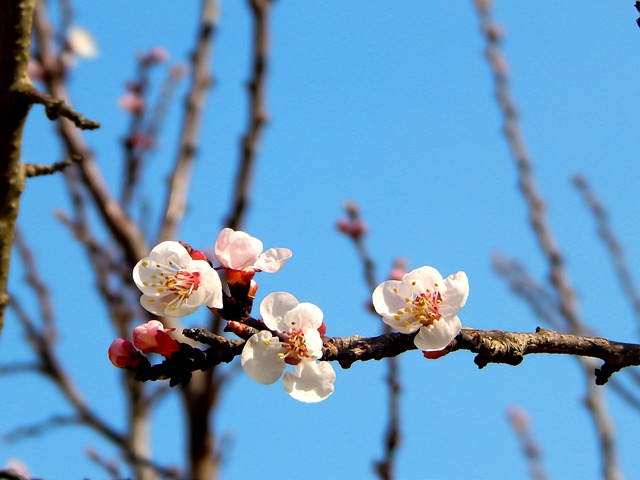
(522, 427)
(126, 232)
(15, 41)
(39, 169)
(546, 309)
(56, 108)
(12, 368)
(37, 284)
(39, 428)
(614, 248)
(258, 114)
(355, 228)
(568, 305)
(490, 346)
(537, 296)
(145, 123)
(180, 178)
(110, 466)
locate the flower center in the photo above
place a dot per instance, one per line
(182, 283)
(296, 347)
(424, 308)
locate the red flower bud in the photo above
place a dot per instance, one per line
(322, 329)
(123, 354)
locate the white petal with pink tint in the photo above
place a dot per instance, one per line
(425, 302)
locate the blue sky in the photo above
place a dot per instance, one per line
(389, 105)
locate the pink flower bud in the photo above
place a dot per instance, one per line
(354, 228)
(141, 141)
(519, 419)
(132, 103)
(156, 55)
(398, 269)
(240, 329)
(151, 337)
(123, 354)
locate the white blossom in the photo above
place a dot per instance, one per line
(174, 284)
(425, 302)
(297, 342)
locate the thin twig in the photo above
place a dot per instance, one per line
(522, 427)
(36, 283)
(39, 170)
(546, 309)
(57, 107)
(120, 225)
(616, 252)
(110, 466)
(537, 296)
(258, 115)
(53, 422)
(559, 277)
(145, 122)
(355, 228)
(180, 179)
(12, 368)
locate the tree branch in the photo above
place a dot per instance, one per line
(15, 42)
(180, 178)
(490, 346)
(258, 114)
(614, 248)
(39, 169)
(126, 232)
(558, 275)
(56, 107)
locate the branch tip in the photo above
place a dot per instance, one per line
(56, 107)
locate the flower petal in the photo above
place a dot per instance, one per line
(313, 342)
(386, 300)
(406, 324)
(302, 316)
(226, 237)
(311, 381)
(273, 259)
(420, 280)
(260, 358)
(274, 307)
(438, 335)
(237, 250)
(152, 304)
(456, 294)
(210, 283)
(170, 251)
(81, 42)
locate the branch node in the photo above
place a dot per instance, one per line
(40, 169)
(56, 107)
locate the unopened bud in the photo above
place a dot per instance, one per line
(123, 354)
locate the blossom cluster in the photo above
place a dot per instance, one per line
(176, 280)
(150, 337)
